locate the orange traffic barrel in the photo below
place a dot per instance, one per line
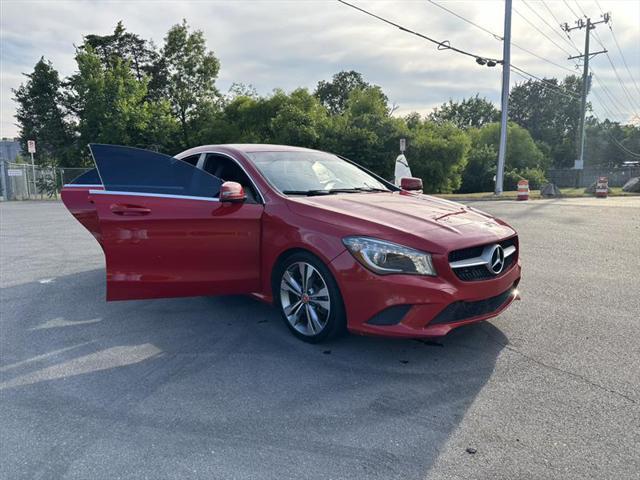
(602, 187)
(523, 190)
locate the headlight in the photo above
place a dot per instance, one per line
(385, 258)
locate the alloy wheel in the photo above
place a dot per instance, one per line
(305, 298)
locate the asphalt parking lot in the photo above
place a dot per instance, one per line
(218, 388)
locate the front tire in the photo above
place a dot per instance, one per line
(308, 298)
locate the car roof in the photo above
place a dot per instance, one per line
(246, 148)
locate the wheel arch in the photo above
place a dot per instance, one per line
(280, 260)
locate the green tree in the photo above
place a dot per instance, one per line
(296, 118)
(478, 176)
(366, 132)
(523, 158)
(111, 105)
(438, 155)
(301, 121)
(138, 52)
(191, 74)
(471, 112)
(550, 114)
(39, 115)
(610, 144)
(334, 94)
(522, 152)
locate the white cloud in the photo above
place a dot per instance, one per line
(287, 44)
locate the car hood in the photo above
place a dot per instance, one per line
(442, 224)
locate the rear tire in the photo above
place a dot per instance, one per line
(308, 298)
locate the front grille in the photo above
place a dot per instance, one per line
(480, 272)
(458, 311)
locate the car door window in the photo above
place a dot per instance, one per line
(191, 159)
(90, 177)
(228, 170)
(127, 169)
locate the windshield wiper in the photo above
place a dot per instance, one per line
(306, 192)
(371, 189)
(311, 193)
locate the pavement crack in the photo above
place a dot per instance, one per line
(561, 370)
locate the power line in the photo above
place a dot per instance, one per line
(447, 46)
(622, 147)
(546, 83)
(495, 35)
(623, 59)
(551, 86)
(630, 98)
(624, 88)
(612, 99)
(544, 59)
(571, 9)
(563, 38)
(607, 110)
(615, 40)
(580, 9)
(560, 23)
(499, 38)
(541, 32)
(632, 101)
(442, 45)
(603, 104)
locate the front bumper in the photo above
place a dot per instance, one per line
(413, 306)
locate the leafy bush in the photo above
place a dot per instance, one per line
(481, 168)
(438, 155)
(47, 185)
(534, 175)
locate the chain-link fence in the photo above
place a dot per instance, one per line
(21, 181)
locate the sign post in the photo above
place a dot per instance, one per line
(31, 147)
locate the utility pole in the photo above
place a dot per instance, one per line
(586, 56)
(506, 70)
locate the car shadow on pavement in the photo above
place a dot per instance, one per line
(218, 388)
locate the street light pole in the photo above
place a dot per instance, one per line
(506, 65)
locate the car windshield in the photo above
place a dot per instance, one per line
(313, 173)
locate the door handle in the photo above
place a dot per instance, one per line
(129, 210)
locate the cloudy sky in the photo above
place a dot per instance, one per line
(288, 44)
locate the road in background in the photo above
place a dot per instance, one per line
(218, 388)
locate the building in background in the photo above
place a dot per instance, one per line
(9, 149)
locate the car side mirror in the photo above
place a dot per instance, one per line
(232, 192)
(411, 183)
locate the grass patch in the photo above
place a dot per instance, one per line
(533, 194)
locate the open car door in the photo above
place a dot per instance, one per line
(75, 196)
(165, 232)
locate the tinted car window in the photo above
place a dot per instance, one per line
(136, 170)
(90, 177)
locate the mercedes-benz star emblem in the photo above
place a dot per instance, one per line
(497, 260)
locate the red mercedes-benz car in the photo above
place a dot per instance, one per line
(332, 245)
